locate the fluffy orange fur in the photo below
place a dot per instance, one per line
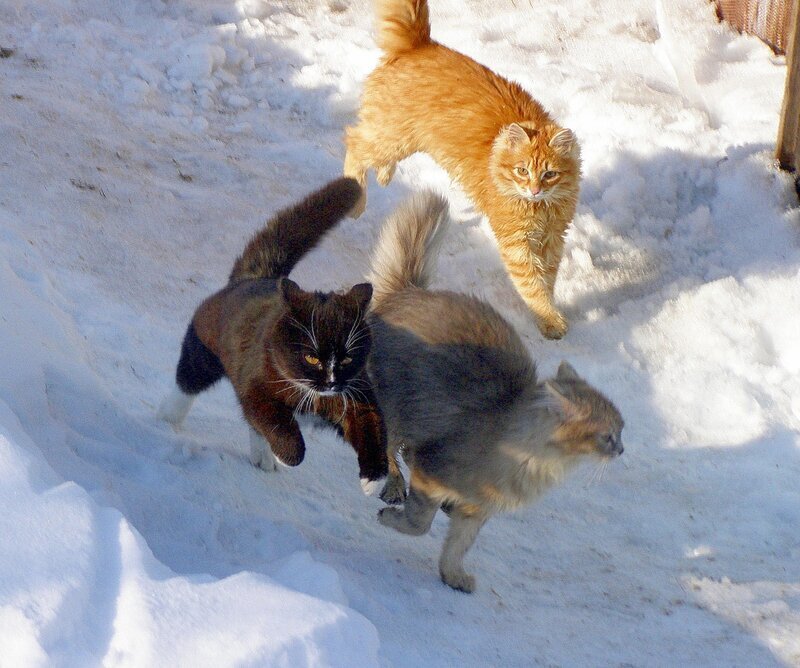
(518, 166)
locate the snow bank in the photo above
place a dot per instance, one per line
(79, 585)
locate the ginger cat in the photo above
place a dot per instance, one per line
(462, 401)
(517, 165)
(287, 351)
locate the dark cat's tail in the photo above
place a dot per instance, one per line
(406, 252)
(402, 25)
(291, 233)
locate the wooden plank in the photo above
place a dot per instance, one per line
(788, 151)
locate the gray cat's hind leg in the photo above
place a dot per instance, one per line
(394, 491)
(460, 536)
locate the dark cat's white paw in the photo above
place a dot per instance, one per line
(371, 487)
(175, 407)
(459, 580)
(261, 454)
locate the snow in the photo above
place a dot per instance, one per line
(141, 143)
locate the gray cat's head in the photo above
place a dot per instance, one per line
(591, 424)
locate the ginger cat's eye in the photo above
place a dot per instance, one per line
(549, 175)
(521, 171)
(313, 361)
(346, 361)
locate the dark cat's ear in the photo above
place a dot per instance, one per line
(361, 294)
(566, 372)
(563, 141)
(291, 294)
(515, 134)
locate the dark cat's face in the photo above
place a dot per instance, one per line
(322, 341)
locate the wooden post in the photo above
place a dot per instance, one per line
(788, 151)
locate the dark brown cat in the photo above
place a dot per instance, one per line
(287, 351)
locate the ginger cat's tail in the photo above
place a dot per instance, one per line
(406, 252)
(403, 25)
(290, 234)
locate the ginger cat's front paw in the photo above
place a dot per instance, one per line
(553, 326)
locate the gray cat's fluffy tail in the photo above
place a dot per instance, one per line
(406, 252)
(290, 234)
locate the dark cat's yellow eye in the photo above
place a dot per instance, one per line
(313, 361)
(521, 171)
(346, 361)
(549, 175)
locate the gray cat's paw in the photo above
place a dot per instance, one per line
(459, 580)
(390, 517)
(394, 491)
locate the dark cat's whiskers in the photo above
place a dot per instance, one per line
(357, 394)
(304, 329)
(344, 408)
(313, 334)
(307, 402)
(353, 330)
(355, 386)
(354, 340)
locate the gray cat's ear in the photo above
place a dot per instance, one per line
(361, 293)
(515, 134)
(291, 294)
(558, 400)
(566, 372)
(564, 141)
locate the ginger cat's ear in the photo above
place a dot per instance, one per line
(563, 141)
(515, 134)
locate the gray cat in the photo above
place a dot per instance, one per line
(461, 399)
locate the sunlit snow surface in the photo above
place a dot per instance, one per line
(141, 144)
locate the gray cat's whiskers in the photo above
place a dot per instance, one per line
(596, 474)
